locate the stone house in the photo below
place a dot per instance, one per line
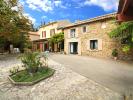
(47, 31)
(90, 37)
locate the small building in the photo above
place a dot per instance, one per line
(49, 30)
(90, 37)
(33, 36)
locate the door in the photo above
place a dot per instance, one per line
(73, 47)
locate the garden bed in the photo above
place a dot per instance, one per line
(24, 78)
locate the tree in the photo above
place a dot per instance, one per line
(124, 32)
(13, 25)
(57, 38)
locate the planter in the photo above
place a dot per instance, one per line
(51, 73)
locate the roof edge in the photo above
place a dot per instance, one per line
(92, 19)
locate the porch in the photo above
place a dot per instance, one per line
(43, 45)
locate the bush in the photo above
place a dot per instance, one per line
(115, 53)
(31, 61)
(126, 48)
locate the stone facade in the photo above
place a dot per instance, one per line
(95, 31)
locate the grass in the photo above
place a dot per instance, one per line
(24, 76)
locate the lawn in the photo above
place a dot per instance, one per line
(24, 76)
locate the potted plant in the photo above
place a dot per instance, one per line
(115, 54)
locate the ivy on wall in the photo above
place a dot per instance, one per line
(124, 31)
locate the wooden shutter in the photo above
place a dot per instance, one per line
(76, 32)
(68, 33)
(88, 44)
(44, 34)
(100, 44)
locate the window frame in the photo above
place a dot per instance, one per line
(94, 42)
(73, 34)
(85, 29)
(43, 34)
(52, 32)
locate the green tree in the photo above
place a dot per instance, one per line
(57, 38)
(124, 31)
(14, 27)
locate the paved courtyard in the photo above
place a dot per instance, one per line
(115, 75)
(64, 85)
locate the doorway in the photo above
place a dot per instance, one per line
(73, 47)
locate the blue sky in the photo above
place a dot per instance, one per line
(52, 10)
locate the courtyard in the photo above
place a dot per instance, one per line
(115, 75)
(64, 85)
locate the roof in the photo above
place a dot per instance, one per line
(34, 33)
(111, 15)
(49, 24)
(53, 23)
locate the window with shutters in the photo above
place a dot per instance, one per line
(52, 32)
(94, 44)
(72, 33)
(43, 34)
(84, 29)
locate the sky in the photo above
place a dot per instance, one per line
(52, 10)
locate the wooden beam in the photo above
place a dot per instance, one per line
(122, 17)
(125, 6)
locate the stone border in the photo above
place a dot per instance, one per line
(29, 83)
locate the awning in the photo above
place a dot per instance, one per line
(41, 40)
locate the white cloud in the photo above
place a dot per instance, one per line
(22, 2)
(57, 3)
(45, 5)
(107, 5)
(30, 17)
(43, 17)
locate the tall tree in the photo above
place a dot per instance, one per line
(13, 25)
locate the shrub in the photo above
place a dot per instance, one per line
(31, 61)
(115, 53)
(126, 48)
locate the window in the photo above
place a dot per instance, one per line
(72, 33)
(103, 25)
(93, 44)
(52, 32)
(84, 29)
(43, 34)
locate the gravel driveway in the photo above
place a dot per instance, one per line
(115, 75)
(64, 85)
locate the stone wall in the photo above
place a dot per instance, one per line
(96, 30)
